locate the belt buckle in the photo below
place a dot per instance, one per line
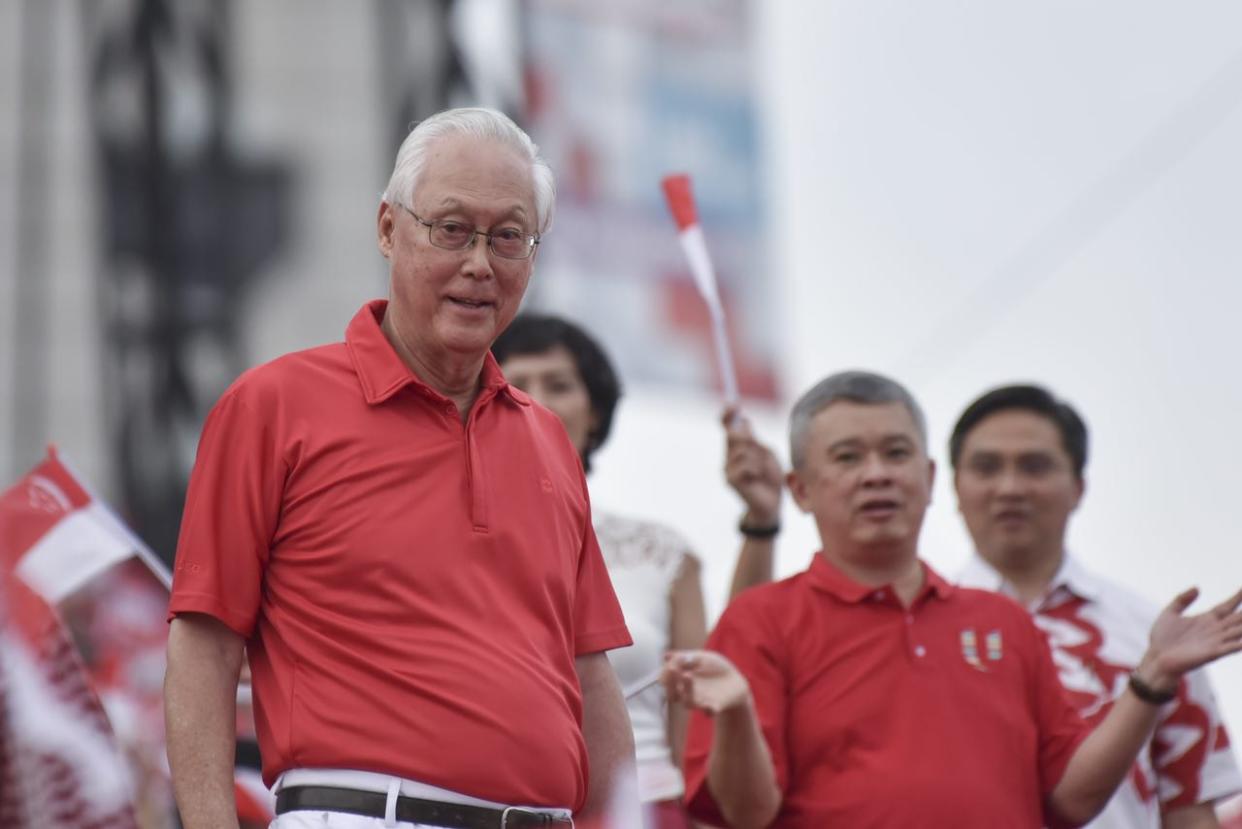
(543, 818)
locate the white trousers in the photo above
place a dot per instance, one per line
(367, 781)
(306, 819)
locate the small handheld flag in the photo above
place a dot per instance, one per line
(681, 204)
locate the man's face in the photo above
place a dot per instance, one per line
(1016, 487)
(865, 476)
(450, 304)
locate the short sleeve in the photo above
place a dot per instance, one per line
(1061, 729)
(598, 622)
(1190, 749)
(231, 511)
(744, 636)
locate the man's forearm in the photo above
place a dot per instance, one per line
(1104, 758)
(200, 698)
(607, 733)
(754, 565)
(1198, 816)
(740, 775)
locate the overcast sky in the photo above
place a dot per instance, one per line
(966, 194)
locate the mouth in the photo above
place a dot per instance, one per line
(469, 303)
(1010, 517)
(879, 509)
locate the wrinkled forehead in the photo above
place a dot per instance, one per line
(468, 173)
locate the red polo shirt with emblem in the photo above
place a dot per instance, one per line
(412, 590)
(946, 713)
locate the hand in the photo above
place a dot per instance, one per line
(704, 680)
(1179, 644)
(752, 470)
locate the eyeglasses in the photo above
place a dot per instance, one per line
(450, 234)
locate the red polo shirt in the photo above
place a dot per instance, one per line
(413, 591)
(948, 713)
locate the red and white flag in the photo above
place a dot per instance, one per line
(59, 762)
(104, 595)
(58, 536)
(681, 204)
(83, 639)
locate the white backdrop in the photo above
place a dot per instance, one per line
(970, 193)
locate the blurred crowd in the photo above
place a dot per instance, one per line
(393, 604)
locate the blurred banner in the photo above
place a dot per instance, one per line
(85, 639)
(618, 95)
(60, 764)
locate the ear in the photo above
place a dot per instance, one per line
(931, 479)
(386, 226)
(1082, 490)
(799, 490)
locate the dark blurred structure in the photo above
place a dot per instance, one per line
(186, 227)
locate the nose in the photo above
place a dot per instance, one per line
(1010, 482)
(875, 471)
(478, 258)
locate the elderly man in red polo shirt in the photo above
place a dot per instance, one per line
(868, 691)
(401, 542)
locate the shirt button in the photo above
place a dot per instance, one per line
(909, 618)
(878, 595)
(919, 650)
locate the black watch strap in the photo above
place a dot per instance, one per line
(1149, 694)
(750, 531)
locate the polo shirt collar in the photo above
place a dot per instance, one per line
(382, 372)
(1071, 580)
(827, 578)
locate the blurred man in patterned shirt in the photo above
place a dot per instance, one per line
(1018, 455)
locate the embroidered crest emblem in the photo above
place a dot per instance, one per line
(994, 648)
(970, 650)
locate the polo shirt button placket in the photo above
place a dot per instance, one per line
(916, 648)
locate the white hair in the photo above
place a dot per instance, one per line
(477, 122)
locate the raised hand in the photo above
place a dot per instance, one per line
(704, 680)
(1180, 643)
(752, 470)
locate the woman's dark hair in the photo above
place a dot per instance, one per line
(1035, 399)
(539, 333)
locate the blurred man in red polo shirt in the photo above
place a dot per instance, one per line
(868, 691)
(401, 542)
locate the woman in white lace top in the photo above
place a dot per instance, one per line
(653, 571)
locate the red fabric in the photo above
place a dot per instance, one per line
(34, 505)
(413, 591)
(680, 200)
(866, 732)
(666, 814)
